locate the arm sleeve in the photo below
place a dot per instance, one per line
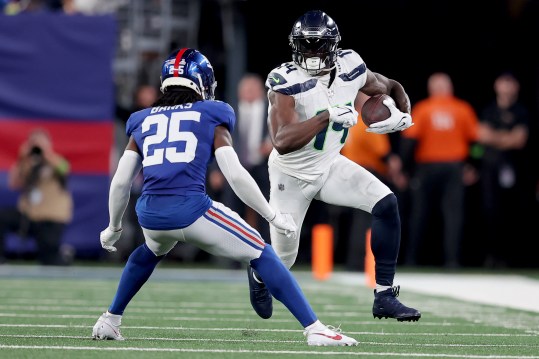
(242, 182)
(120, 187)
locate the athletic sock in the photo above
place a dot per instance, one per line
(283, 286)
(381, 288)
(137, 270)
(385, 238)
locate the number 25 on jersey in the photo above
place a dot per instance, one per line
(169, 132)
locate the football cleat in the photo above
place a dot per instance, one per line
(323, 335)
(105, 330)
(386, 305)
(260, 296)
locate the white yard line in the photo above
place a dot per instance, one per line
(313, 353)
(510, 291)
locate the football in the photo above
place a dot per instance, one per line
(374, 110)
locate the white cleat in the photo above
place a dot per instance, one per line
(105, 330)
(323, 335)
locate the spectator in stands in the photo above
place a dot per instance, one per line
(252, 142)
(504, 132)
(438, 147)
(45, 205)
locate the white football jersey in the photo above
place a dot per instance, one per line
(312, 96)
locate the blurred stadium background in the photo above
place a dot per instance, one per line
(72, 72)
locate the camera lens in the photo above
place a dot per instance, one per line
(36, 150)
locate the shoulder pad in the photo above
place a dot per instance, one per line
(289, 79)
(351, 65)
(349, 54)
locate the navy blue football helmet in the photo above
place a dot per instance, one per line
(314, 40)
(189, 68)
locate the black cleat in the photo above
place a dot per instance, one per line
(261, 299)
(386, 305)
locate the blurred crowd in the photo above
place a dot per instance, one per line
(14, 7)
(466, 178)
(462, 176)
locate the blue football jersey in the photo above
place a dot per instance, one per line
(176, 143)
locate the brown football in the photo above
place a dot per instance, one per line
(374, 110)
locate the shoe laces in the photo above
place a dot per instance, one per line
(336, 330)
(396, 290)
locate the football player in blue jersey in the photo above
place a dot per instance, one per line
(173, 142)
(313, 100)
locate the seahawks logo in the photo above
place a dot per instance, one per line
(274, 79)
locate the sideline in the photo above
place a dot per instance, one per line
(509, 291)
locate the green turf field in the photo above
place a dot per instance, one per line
(190, 313)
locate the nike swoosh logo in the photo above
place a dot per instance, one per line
(276, 80)
(346, 113)
(401, 124)
(334, 337)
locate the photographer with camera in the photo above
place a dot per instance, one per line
(45, 205)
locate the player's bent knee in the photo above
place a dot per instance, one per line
(287, 253)
(157, 248)
(386, 207)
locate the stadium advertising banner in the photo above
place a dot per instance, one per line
(56, 73)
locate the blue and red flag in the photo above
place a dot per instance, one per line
(56, 72)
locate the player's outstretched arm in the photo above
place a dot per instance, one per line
(244, 185)
(120, 187)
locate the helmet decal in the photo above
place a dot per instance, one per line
(189, 68)
(177, 61)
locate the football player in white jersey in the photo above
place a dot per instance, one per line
(313, 101)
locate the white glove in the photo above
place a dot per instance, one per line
(347, 115)
(398, 121)
(108, 237)
(284, 224)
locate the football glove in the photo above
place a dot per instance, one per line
(347, 115)
(108, 237)
(284, 224)
(398, 121)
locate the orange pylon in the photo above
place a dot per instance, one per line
(322, 251)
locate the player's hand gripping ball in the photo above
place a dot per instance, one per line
(381, 115)
(374, 110)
